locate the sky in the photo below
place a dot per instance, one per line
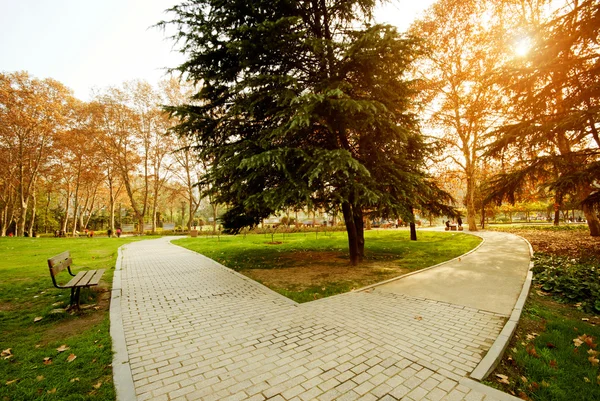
(87, 44)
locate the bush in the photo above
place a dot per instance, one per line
(570, 280)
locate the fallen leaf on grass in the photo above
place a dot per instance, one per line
(531, 336)
(53, 391)
(37, 319)
(40, 378)
(585, 379)
(584, 338)
(585, 319)
(76, 379)
(6, 354)
(502, 378)
(531, 351)
(47, 360)
(554, 364)
(524, 379)
(97, 385)
(550, 345)
(71, 358)
(592, 352)
(593, 360)
(8, 383)
(62, 348)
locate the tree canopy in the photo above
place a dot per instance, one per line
(556, 92)
(303, 103)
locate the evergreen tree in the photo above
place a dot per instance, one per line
(556, 92)
(303, 103)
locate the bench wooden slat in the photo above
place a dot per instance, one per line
(86, 278)
(97, 276)
(59, 262)
(77, 280)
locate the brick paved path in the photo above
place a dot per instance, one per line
(195, 330)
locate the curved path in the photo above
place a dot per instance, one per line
(186, 328)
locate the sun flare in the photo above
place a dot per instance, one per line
(522, 47)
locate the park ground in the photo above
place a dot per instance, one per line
(553, 349)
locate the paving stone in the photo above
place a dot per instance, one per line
(219, 334)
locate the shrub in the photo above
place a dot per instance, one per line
(570, 280)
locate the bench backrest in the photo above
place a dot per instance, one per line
(58, 263)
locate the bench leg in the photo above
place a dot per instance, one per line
(74, 298)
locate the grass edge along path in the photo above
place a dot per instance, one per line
(306, 266)
(61, 356)
(554, 352)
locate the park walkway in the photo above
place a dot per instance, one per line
(195, 330)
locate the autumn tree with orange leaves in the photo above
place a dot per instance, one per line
(32, 113)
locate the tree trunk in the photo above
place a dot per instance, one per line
(21, 219)
(215, 209)
(33, 214)
(360, 232)
(351, 230)
(413, 231)
(4, 221)
(141, 224)
(470, 201)
(592, 220)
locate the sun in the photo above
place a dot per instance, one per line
(522, 47)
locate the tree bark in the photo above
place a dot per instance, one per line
(558, 203)
(470, 201)
(413, 231)
(360, 232)
(33, 214)
(592, 220)
(351, 230)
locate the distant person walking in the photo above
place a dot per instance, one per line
(459, 221)
(118, 233)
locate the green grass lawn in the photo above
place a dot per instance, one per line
(26, 293)
(309, 266)
(543, 362)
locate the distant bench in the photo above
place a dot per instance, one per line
(86, 278)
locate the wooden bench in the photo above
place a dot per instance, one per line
(86, 278)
